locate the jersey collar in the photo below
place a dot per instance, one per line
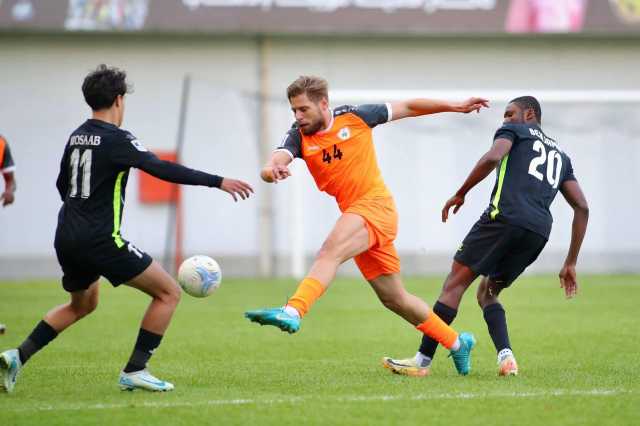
(101, 123)
(325, 131)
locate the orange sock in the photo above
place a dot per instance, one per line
(309, 290)
(438, 330)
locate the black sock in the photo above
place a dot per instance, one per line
(145, 345)
(497, 324)
(40, 337)
(448, 314)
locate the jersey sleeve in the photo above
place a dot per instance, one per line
(374, 114)
(568, 171)
(291, 143)
(507, 131)
(128, 151)
(177, 173)
(7, 165)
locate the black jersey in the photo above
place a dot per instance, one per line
(528, 178)
(93, 176)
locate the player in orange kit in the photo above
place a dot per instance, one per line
(337, 146)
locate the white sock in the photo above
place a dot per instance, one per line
(291, 311)
(503, 354)
(422, 360)
(456, 344)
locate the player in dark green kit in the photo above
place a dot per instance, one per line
(512, 231)
(92, 180)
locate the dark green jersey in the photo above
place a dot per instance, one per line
(93, 177)
(528, 178)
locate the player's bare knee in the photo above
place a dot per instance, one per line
(322, 253)
(393, 301)
(81, 310)
(486, 297)
(481, 294)
(177, 294)
(171, 295)
(326, 249)
(91, 305)
(392, 305)
(326, 253)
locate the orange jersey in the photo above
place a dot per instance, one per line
(3, 143)
(342, 158)
(6, 160)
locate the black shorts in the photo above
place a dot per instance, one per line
(84, 262)
(499, 251)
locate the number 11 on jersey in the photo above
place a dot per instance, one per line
(77, 161)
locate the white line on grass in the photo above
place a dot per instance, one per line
(294, 400)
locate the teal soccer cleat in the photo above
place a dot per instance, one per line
(276, 317)
(10, 366)
(462, 357)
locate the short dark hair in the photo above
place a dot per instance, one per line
(526, 102)
(101, 87)
(316, 88)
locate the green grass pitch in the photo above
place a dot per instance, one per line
(578, 359)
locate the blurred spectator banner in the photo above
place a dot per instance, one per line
(325, 16)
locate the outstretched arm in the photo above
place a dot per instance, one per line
(277, 167)
(176, 173)
(573, 194)
(130, 152)
(487, 163)
(418, 107)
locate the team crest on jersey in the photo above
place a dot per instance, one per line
(138, 145)
(344, 133)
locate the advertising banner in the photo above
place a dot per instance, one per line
(428, 17)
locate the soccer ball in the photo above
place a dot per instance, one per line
(199, 276)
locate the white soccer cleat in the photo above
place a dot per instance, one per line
(507, 364)
(10, 366)
(405, 367)
(143, 380)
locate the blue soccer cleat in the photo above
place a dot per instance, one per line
(10, 366)
(462, 357)
(276, 317)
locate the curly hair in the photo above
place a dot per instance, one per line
(101, 87)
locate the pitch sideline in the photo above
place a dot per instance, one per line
(294, 400)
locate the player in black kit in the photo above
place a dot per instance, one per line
(92, 180)
(512, 231)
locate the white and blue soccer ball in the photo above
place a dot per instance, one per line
(199, 276)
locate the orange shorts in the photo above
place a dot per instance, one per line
(381, 220)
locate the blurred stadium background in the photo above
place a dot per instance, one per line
(223, 65)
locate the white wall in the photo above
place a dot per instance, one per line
(423, 160)
(42, 103)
